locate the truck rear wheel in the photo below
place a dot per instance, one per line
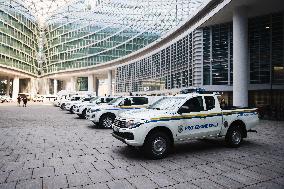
(157, 145)
(234, 136)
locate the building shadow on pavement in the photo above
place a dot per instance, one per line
(194, 147)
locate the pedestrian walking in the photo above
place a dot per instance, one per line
(25, 100)
(19, 100)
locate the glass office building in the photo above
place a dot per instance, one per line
(83, 33)
(147, 46)
(172, 67)
(87, 33)
(18, 37)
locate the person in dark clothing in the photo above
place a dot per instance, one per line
(19, 100)
(25, 100)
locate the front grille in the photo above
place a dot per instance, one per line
(125, 135)
(119, 123)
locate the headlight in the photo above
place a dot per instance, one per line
(131, 124)
(96, 110)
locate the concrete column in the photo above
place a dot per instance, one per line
(16, 87)
(55, 86)
(96, 86)
(109, 82)
(91, 83)
(33, 87)
(46, 86)
(240, 57)
(8, 87)
(73, 84)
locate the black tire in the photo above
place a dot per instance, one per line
(62, 106)
(106, 121)
(234, 136)
(84, 113)
(71, 110)
(157, 145)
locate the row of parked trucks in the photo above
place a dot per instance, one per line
(155, 124)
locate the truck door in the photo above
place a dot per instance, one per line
(214, 116)
(192, 119)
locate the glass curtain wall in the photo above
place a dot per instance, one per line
(87, 33)
(266, 49)
(171, 68)
(18, 37)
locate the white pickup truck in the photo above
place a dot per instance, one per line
(63, 101)
(176, 119)
(105, 114)
(69, 106)
(81, 108)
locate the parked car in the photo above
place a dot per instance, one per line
(63, 102)
(38, 98)
(5, 98)
(176, 119)
(81, 108)
(105, 115)
(71, 104)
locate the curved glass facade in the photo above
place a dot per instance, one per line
(205, 57)
(43, 37)
(18, 37)
(88, 33)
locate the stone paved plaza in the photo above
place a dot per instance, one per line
(44, 147)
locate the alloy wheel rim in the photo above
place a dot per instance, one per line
(107, 122)
(236, 137)
(159, 146)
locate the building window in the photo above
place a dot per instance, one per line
(266, 49)
(82, 84)
(217, 54)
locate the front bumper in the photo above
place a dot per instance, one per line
(128, 136)
(68, 107)
(92, 117)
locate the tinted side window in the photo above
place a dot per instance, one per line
(210, 102)
(127, 102)
(86, 99)
(109, 99)
(194, 105)
(139, 100)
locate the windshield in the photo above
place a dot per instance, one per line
(93, 99)
(167, 103)
(116, 101)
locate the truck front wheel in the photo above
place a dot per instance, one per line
(83, 115)
(71, 109)
(106, 121)
(234, 136)
(157, 145)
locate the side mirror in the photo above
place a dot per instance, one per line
(183, 109)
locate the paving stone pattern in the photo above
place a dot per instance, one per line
(43, 147)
